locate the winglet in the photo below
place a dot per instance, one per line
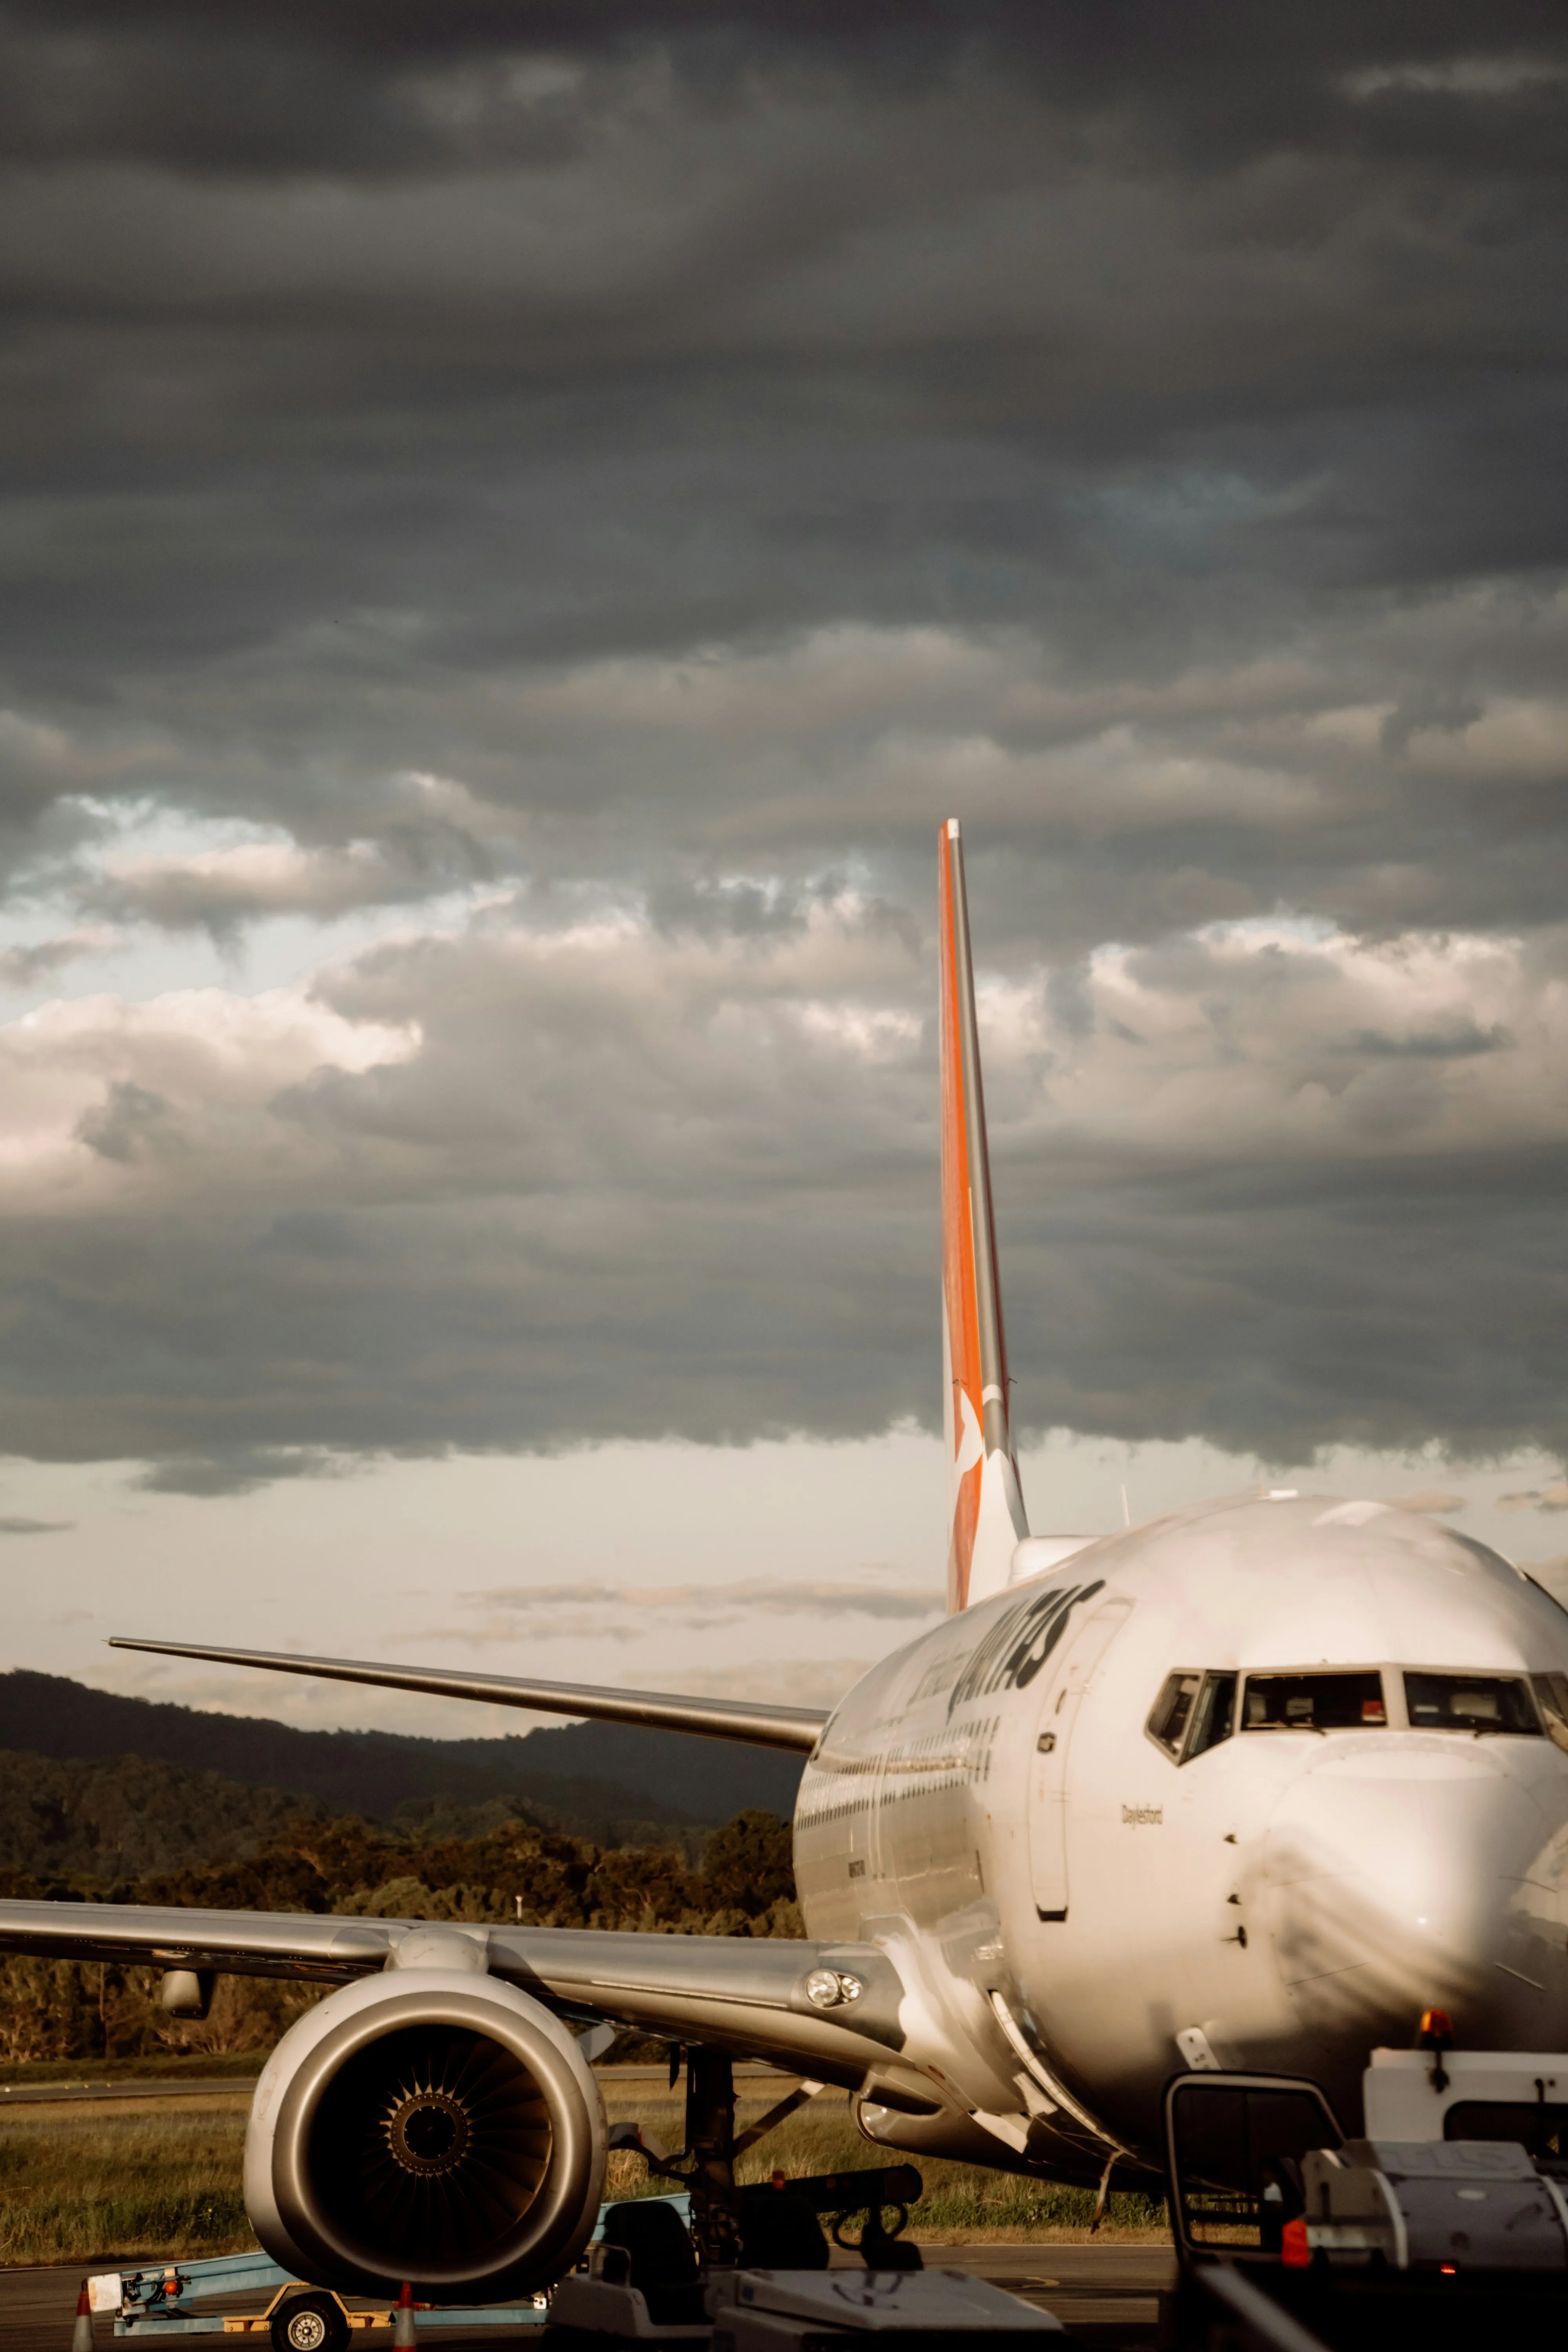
(985, 1505)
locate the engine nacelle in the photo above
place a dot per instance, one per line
(432, 2125)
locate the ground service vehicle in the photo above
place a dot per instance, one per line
(1445, 2225)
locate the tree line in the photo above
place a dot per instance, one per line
(516, 1872)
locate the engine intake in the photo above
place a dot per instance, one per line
(433, 2126)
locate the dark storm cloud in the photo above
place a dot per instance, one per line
(648, 465)
(520, 1187)
(234, 1470)
(1172, 350)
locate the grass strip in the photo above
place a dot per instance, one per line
(109, 2183)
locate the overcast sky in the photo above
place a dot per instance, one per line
(516, 524)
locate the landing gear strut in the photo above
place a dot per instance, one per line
(710, 2142)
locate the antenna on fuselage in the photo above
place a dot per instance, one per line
(985, 1505)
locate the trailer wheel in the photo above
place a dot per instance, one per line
(309, 2323)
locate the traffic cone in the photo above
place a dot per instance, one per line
(402, 2327)
(82, 2335)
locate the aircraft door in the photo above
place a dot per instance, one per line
(1049, 1765)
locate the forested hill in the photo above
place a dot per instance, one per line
(610, 1782)
(112, 1818)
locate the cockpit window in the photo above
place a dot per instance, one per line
(1326, 1701)
(1167, 1725)
(1213, 1717)
(1552, 1698)
(1476, 1702)
(1193, 1712)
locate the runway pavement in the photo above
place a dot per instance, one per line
(1106, 2294)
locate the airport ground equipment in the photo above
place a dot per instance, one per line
(1292, 2236)
(1414, 2205)
(1439, 2093)
(167, 2299)
(641, 2284)
(643, 2278)
(872, 2311)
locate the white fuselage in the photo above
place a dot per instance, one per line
(1066, 1899)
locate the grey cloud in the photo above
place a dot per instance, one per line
(237, 1469)
(772, 1597)
(14, 1525)
(1436, 706)
(25, 967)
(1455, 1043)
(220, 891)
(148, 79)
(1537, 1498)
(965, 320)
(501, 1630)
(787, 1682)
(652, 465)
(1552, 1574)
(625, 1184)
(128, 1120)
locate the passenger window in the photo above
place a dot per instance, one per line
(1473, 1703)
(1213, 1717)
(1314, 1702)
(1167, 1725)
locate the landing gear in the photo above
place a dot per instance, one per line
(710, 2144)
(777, 2227)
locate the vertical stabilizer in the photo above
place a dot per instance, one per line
(985, 1506)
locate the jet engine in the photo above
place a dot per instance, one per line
(432, 2124)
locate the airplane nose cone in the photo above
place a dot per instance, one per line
(1421, 1874)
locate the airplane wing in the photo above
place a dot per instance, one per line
(796, 1729)
(829, 2010)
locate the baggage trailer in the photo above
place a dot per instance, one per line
(165, 2299)
(1445, 2223)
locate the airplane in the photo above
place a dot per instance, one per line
(1251, 1786)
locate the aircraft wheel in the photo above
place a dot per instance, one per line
(311, 2323)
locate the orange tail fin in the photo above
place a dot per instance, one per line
(984, 1502)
